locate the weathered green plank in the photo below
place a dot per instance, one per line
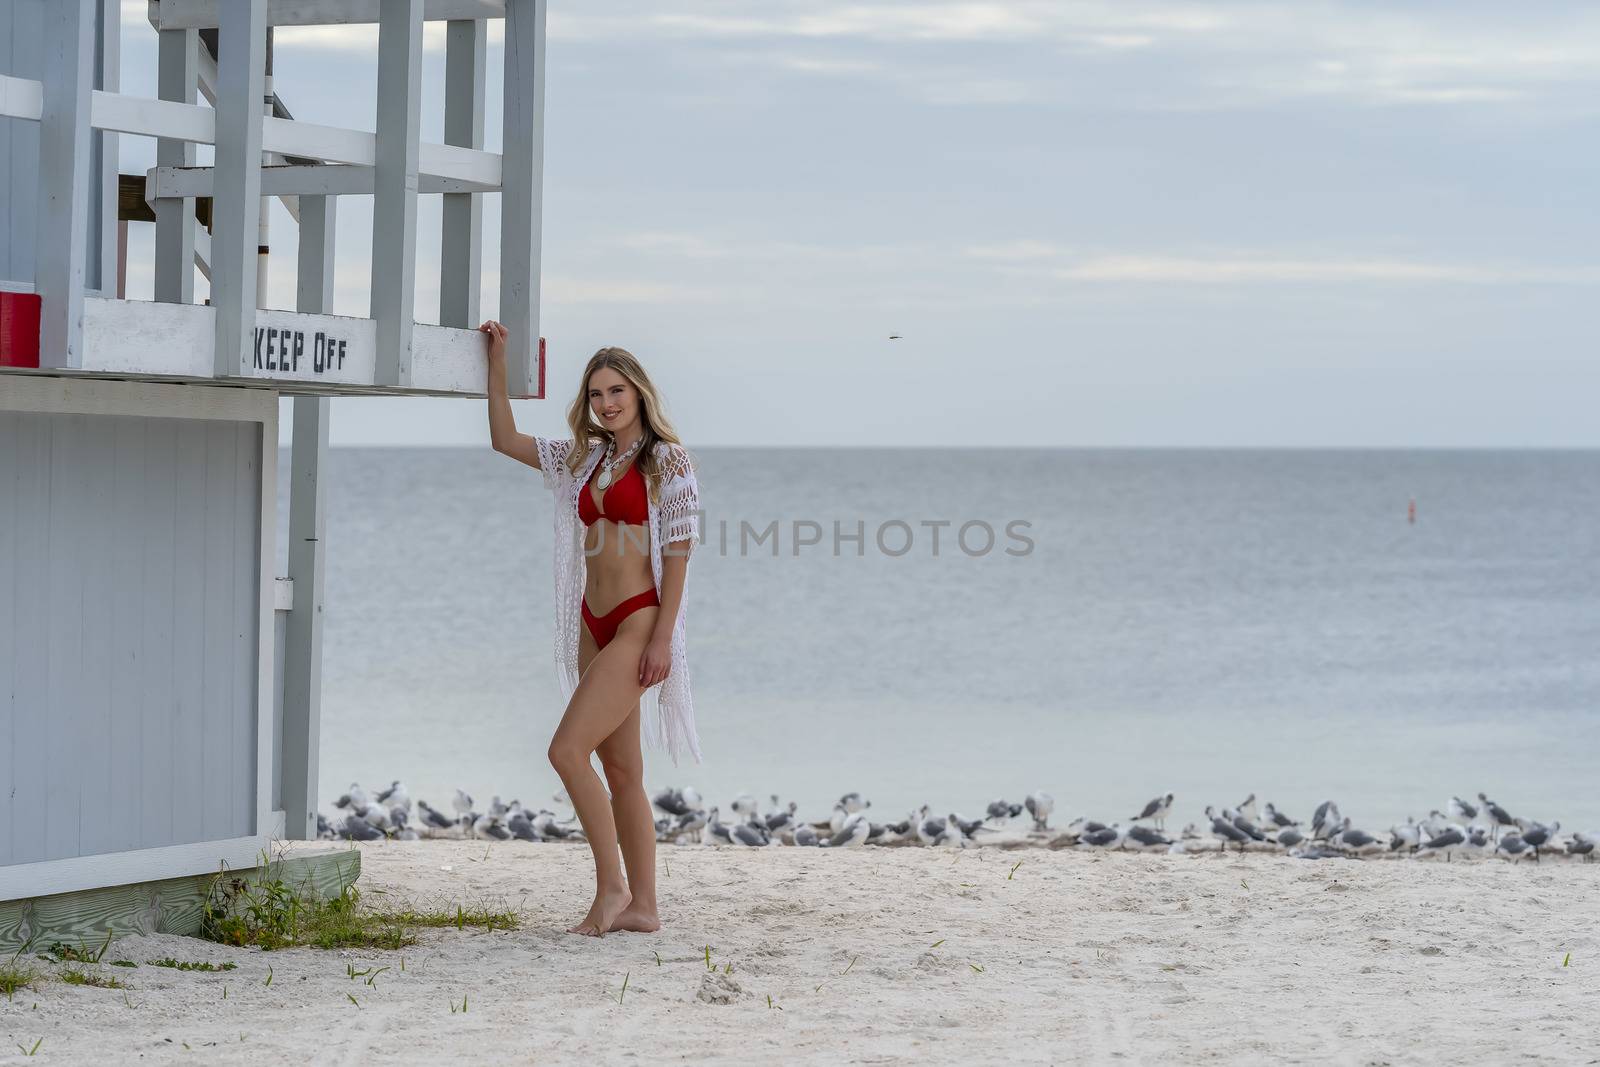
(169, 906)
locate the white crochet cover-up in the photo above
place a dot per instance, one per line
(666, 710)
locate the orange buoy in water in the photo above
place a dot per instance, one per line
(1411, 512)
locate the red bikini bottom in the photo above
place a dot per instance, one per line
(605, 628)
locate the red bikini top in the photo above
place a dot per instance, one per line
(627, 500)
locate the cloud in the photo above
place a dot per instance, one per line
(1217, 55)
(1260, 266)
(1015, 250)
(570, 290)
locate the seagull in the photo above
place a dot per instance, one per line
(804, 835)
(1513, 846)
(1247, 808)
(933, 830)
(719, 832)
(999, 810)
(462, 802)
(1324, 819)
(690, 822)
(671, 801)
(1407, 836)
(521, 826)
(1452, 838)
(1461, 811)
(489, 825)
(1040, 805)
(1080, 826)
(547, 827)
(359, 829)
(1582, 844)
(1105, 837)
(953, 834)
(1289, 837)
(853, 833)
(1157, 810)
(1226, 830)
(395, 796)
(1537, 835)
(1238, 819)
(748, 834)
(1496, 815)
(968, 827)
(1146, 838)
(1278, 818)
(1357, 840)
(782, 820)
(433, 818)
(852, 803)
(744, 804)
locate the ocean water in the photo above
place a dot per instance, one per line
(1212, 623)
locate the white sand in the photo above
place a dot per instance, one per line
(1084, 957)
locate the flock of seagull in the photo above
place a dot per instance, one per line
(1462, 828)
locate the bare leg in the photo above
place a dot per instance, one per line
(606, 694)
(623, 762)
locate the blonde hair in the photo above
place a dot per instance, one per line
(655, 425)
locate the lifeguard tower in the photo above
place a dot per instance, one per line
(158, 680)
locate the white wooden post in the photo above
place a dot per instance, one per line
(177, 78)
(394, 194)
(236, 199)
(462, 235)
(65, 180)
(314, 280)
(103, 219)
(522, 189)
(302, 652)
(264, 217)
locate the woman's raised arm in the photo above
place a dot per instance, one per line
(503, 435)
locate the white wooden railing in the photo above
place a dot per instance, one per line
(392, 165)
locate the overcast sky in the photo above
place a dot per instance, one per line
(1093, 223)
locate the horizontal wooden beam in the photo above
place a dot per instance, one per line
(202, 14)
(327, 355)
(49, 877)
(133, 199)
(338, 179)
(21, 98)
(198, 124)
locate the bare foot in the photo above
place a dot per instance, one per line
(603, 912)
(640, 919)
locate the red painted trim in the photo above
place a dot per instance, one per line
(19, 329)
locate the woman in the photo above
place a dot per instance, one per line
(620, 638)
